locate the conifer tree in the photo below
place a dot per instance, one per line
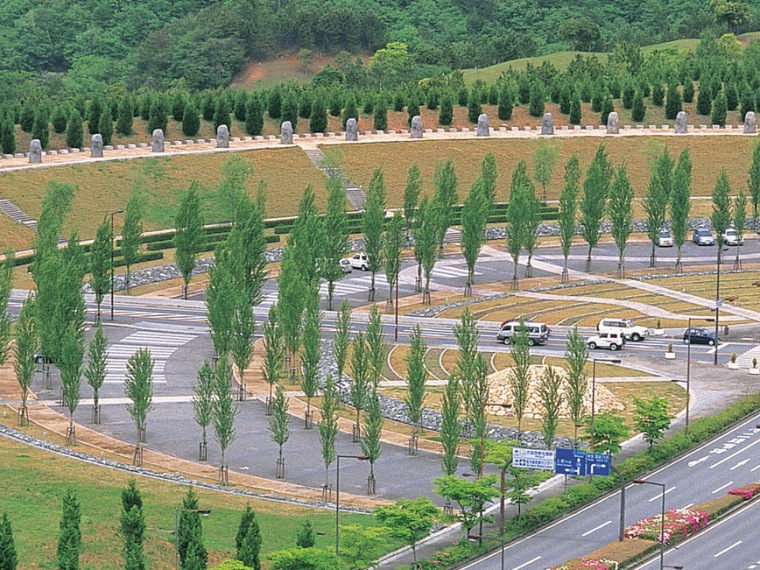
(704, 101)
(290, 109)
(41, 127)
(474, 108)
(70, 537)
(719, 110)
(159, 114)
(248, 540)
(688, 92)
(575, 110)
(125, 117)
(59, 119)
(639, 110)
(191, 122)
(8, 135)
(274, 104)
(8, 554)
(349, 112)
(537, 100)
(105, 127)
(254, 116)
(446, 114)
(673, 102)
(94, 112)
(505, 104)
(380, 116)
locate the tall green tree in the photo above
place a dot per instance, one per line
(657, 199)
(203, 404)
(336, 242)
(291, 304)
(544, 159)
(328, 427)
(445, 197)
(279, 427)
(310, 356)
(188, 237)
(248, 540)
(417, 375)
(393, 246)
(370, 441)
(592, 204)
(754, 184)
(410, 520)
(360, 382)
(488, 174)
(125, 118)
(651, 418)
(519, 374)
(131, 233)
(606, 432)
(133, 526)
(680, 204)
(376, 347)
(673, 102)
(470, 497)
(719, 110)
(24, 351)
(100, 262)
(532, 221)
(6, 280)
(97, 359)
(474, 219)
(342, 338)
(220, 302)
(306, 239)
(374, 223)
(739, 220)
(138, 387)
(247, 246)
(518, 216)
(241, 343)
(70, 537)
(620, 208)
(499, 453)
(254, 116)
(8, 554)
(451, 428)
(568, 209)
(70, 361)
(191, 120)
(274, 353)
(576, 357)
(224, 412)
(426, 244)
(189, 537)
(721, 211)
(549, 391)
(105, 126)
(411, 195)
(8, 135)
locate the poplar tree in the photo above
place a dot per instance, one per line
(739, 221)
(444, 198)
(342, 338)
(550, 396)
(568, 210)
(592, 205)
(224, 412)
(519, 374)
(241, 343)
(70, 360)
(474, 220)
(657, 199)
(6, 279)
(620, 207)
(544, 160)
(393, 245)
(311, 356)
(376, 348)
(138, 387)
(100, 262)
(290, 307)
(451, 429)
(532, 221)
(279, 427)
(220, 302)
(373, 225)
(488, 174)
(361, 374)
(721, 214)
(97, 358)
(131, 234)
(680, 204)
(412, 195)
(336, 237)
(518, 212)
(188, 237)
(754, 184)
(425, 244)
(24, 352)
(416, 374)
(370, 441)
(203, 405)
(328, 428)
(576, 357)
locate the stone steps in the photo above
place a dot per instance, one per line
(17, 214)
(354, 192)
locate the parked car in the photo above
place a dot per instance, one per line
(360, 261)
(538, 333)
(611, 340)
(703, 236)
(665, 239)
(700, 336)
(630, 330)
(345, 265)
(731, 237)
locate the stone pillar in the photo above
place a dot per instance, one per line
(286, 133)
(35, 151)
(750, 125)
(352, 130)
(681, 126)
(613, 125)
(483, 130)
(416, 127)
(547, 125)
(157, 144)
(96, 146)
(222, 137)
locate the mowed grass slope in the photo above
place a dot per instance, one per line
(35, 481)
(105, 187)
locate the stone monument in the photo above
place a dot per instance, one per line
(681, 127)
(613, 124)
(750, 125)
(483, 130)
(286, 133)
(157, 144)
(416, 127)
(352, 130)
(35, 151)
(96, 146)
(222, 137)
(547, 125)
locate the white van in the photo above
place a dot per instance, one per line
(538, 333)
(627, 327)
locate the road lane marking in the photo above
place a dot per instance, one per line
(660, 495)
(723, 487)
(754, 469)
(698, 461)
(714, 465)
(596, 528)
(737, 543)
(739, 464)
(527, 563)
(687, 506)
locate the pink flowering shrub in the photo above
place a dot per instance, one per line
(679, 523)
(588, 564)
(747, 491)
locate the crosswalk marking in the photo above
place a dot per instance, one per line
(160, 343)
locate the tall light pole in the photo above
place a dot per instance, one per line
(337, 496)
(662, 520)
(113, 239)
(593, 391)
(176, 526)
(688, 364)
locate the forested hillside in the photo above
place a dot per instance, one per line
(82, 46)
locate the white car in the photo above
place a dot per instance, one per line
(731, 237)
(360, 261)
(665, 239)
(345, 265)
(612, 340)
(627, 327)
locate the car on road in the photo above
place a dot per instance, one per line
(630, 330)
(732, 237)
(345, 265)
(611, 340)
(665, 239)
(700, 336)
(703, 236)
(360, 261)
(538, 333)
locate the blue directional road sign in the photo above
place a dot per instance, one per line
(598, 464)
(569, 461)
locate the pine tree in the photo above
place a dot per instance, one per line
(26, 120)
(290, 109)
(688, 92)
(179, 102)
(719, 110)
(505, 104)
(318, 117)
(607, 108)
(59, 119)
(274, 104)
(94, 112)
(106, 125)
(639, 110)
(575, 110)
(474, 108)
(248, 540)
(254, 116)
(537, 100)
(8, 555)
(125, 118)
(704, 101)
(8, 136)
(380, 116)
(191, 122)
(159, 114)
(732, 96)
(398, 102)
(412, 110)
(222, 114)
(350, 112)
(369, 105)
(304, 105)
(446, 114)
(41, 127)
(658, 94)
(70, 537)
(673, 103)
(629, 91)
(74, 130)
(336, 103)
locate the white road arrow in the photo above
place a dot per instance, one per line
(740, 464)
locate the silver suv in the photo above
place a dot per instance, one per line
(630, 330)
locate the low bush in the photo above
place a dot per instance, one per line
(718, 506)
(747, 491)
(623, 553)
(679, 523)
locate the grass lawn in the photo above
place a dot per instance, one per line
(34, 482)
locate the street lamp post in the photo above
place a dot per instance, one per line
(662, 520)
(593, 391)
(113, 239)
(337, 496)
(177, 511)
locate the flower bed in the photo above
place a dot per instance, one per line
(746, 492)
(588, 564)
(679, 523)
(716, 507)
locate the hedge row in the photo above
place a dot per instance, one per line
(210, 245)
(143, 257)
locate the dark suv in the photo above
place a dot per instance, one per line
(700, 336)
